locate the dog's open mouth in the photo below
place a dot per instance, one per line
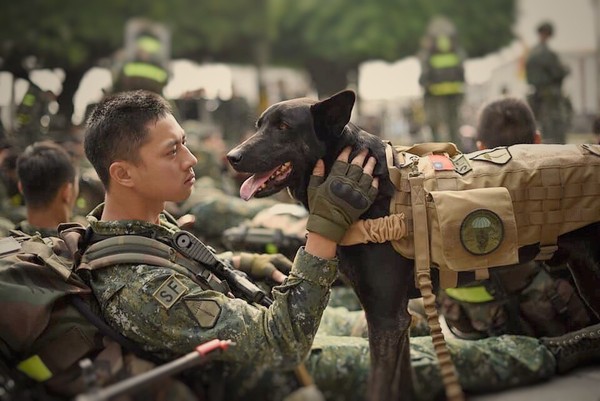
(269, 181)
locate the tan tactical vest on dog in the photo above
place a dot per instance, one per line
(481, 207)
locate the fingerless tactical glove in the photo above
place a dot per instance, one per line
(337, 201)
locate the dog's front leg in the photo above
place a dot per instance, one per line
(391, 372)
(383, 279)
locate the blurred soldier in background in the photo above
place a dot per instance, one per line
(146, 57)
(280, 228)
(235, 116)
(442, 78)
(32, 117)
(13, 205)
(545, 73)
(535, 299)
(49, 183)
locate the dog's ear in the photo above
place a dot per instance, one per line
(331, 115)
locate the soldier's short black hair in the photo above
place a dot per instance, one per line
(118, 127)
(546, 27)
(43, 168)
(504, 122)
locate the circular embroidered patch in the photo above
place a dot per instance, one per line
(481, 232)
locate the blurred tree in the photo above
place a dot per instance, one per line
(328, 38)
(331, 38)
(64, 34)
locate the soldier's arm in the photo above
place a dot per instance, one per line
(557, 70)
(169, 314)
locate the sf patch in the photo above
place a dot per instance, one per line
(481, 232)
(170, 291)
(205, 311)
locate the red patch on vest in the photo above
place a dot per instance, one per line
(441, 163)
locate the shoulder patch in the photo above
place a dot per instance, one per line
(461, 164)
(481, 232)
(499, 155)
(205, 311)
(594, 149)
(170, 291)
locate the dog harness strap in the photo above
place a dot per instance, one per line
(423, 282)
(395, 174)
(380, 230)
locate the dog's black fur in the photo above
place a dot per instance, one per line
(301, 131)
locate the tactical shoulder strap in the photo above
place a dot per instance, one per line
(137, 249)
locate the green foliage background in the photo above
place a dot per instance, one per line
(329, 38)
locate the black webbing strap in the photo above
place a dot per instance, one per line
(111, 333)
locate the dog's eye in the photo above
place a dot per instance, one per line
(283, 126)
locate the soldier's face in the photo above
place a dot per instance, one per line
(164, 172)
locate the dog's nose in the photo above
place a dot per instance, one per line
(234, 157)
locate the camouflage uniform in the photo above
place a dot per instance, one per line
(340, 367)
(27, 228)
(551, 109)
(5, 227)
(266, 338)
(535, 304)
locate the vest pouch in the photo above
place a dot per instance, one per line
(472, 229)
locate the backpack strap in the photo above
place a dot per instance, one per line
(83, 308)
(46, 253)
(130, 249)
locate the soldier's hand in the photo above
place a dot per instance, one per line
(338, 201)
(260, 266)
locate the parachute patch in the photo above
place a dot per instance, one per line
(481, 232)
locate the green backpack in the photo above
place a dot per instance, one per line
(49, 319)
(42, 333)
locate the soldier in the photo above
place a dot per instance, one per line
(512, 301)
(138, 180)
(167, 310)
(442, 78)
(13, 205)
(545, 73)
(49, 183)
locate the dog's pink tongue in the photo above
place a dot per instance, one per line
(251, 185)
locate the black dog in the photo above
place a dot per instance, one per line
(291, 136)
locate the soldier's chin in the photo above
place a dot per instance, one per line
(182, 197)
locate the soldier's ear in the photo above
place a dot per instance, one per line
(120, 174)
(67, 192)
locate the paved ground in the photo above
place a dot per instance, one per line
(581, 385)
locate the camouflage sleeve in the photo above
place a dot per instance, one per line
(170, 314)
